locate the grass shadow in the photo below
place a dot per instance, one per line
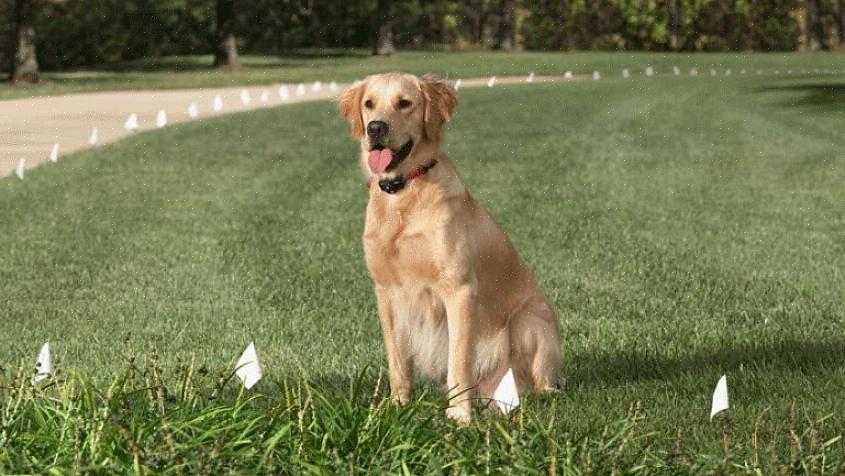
(619, 368)
(823, 97)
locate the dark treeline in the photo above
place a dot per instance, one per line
(70, 33)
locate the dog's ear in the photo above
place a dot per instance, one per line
(440, 101)
(349, 105)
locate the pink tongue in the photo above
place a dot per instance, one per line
(379, 160)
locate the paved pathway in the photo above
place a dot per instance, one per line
(30, 127)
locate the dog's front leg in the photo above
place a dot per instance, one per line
(460, 317)
(400, 366)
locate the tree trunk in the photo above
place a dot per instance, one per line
(226, 49)
(25, 65)
(841, 23)
(507, 20)
(384, 29)
(676, 20)
(813, 30)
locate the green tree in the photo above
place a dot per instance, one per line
(226, 47)
(25, 64)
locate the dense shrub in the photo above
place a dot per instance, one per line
(84, 32)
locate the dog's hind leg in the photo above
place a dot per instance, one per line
(535, 348)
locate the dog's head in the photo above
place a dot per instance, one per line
(393, 114)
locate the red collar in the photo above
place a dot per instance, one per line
(396, 184)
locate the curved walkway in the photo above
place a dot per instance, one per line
(29, 128)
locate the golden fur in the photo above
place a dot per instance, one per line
(454, 297)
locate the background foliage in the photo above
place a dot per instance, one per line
(85, 32)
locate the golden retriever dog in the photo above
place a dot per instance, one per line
(454, 297)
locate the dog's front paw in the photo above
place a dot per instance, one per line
(402, 398)
(459, 415)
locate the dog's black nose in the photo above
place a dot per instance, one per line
(377, 129)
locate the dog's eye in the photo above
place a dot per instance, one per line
(404, 104)
(368, 104)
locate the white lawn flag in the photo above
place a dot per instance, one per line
(131, 123)
(720, 397)
(507, 395)
(94, 138)
(161, 118)
(45, 366)
(248, 368)
(54, 153)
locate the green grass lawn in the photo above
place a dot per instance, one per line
(346, 65)
(683, 227)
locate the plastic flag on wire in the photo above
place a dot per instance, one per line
(507, 395)
(720, 397)
(54, 153)
(248, 369)
(44, 366)
(94, 138)
(193, 111)
(20, 168)
(131, 123)
(161, 118)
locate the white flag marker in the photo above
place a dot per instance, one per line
(742, 71)
(19, 169)
(245, 97)
(217, 104)
(567, 75)
(507, 395)
(284, 94)
(193, 111)
(713, 72)
(161, 118)
(458, 84)
(720, 397)
(693, 72)
(531, 77)
(317, 86)
(44, 366)
(131, 123)
(491, 82)
(333, 86)
(248, 368)
(264, 97)
(300, 89)
(54, 153)
(649, 71)
(94, 138)
(676, 70)
(728, 72)
(626, 74)
(596, 76)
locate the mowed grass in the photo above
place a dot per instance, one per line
(684, 228)
(181, 72)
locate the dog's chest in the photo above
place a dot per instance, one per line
(400, 250)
